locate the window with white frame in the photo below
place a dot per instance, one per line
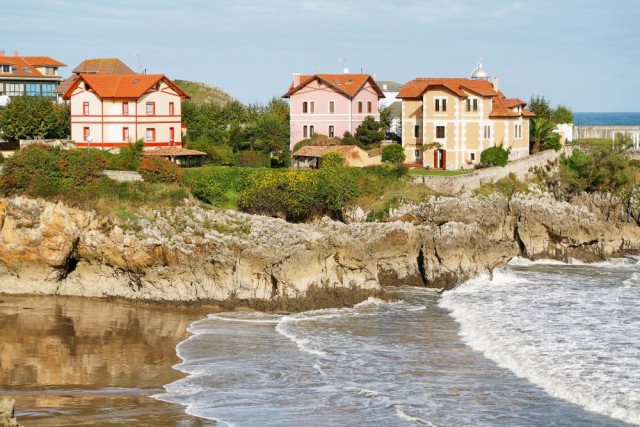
(475, 104)
(487, 132)
(151, 134)
(311, 130)
(331, 131)
(440, 132)
(441, 104)
(518, 131)
(305, 107)
(332, 107)
(416, 153)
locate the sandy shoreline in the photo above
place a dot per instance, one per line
(82, 361)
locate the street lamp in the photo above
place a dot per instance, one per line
(89, 140)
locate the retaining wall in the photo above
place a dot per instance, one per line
(521, 168)
(123, 176)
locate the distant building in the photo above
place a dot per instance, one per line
(111, 110)
(448, 122)
(390, 91)
(28, 75)
(95, 66)
(331, 104)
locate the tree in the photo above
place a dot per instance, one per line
(369, 134)
(270, 132)
(562, 114)
(32, 117)
(541, 134)
(386, 117)
(348, 139)
(332, 159)
(540, 106)
(393, 154)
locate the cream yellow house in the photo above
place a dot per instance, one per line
(447, 122)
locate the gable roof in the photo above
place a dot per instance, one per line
(122, 85)
(417, 87)
(348, 84)
(26, 66)
(173, 152)
(319, 151)
(103, 66)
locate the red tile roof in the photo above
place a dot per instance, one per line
(499, 109)
(25, 66)
(528, 113)
(514, 102)
(348, 84)
(417, 87)
(173, 152)
(122, 85)
(319, 151)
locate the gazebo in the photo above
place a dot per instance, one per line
(180, 156)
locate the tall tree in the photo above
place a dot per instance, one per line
(32, 117)
(270, 133)
(370, 133)
(562, 114)
(540, 106)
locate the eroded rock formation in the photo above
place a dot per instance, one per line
(189, 253)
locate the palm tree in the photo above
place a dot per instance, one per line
(541, 133)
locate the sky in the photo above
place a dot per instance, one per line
(584, 54)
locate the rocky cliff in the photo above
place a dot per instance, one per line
(189, 253)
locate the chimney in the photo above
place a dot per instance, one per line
(16, 53)
(2, 53)
(496, 86)
(384, 86)
(345, 70)
(296, 79)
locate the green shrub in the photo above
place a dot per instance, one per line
(127, 159)
(33, 170)
(251, 159)
(494, 156)
(80, 167)
(332, 159)
(157, 169)
(393, 154)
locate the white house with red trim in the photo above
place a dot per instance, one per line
(112, 110)
(331, 104)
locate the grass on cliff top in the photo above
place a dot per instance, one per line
(506, 186)
(202, 93)
(592, 143)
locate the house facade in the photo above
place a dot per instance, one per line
(448, 122)
(331, 104)
(28, 75)
(111, 110)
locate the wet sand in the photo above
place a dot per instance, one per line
(75, 361)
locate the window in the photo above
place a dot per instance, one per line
(125, 134)
(311, 130)
(172, 134)
(305, 131)
(27, 70)
(440, 133)
(468, 104)
(151, 108)
(14, 89)
(441, 104)
(416, 153)
(331, 132)
(5, 69)
(86, 134)
(472, 156)
(360, 107)
(33, 89)
(85, 108)
(368, 106)
(48, 88)
(125, 108)
(312, 107)
(416, 131)
(151, 134)
(487, 132)
(171, 109)
(332, 107)
(518, 131)
(305, 107)
(475, 105)
(50, 71)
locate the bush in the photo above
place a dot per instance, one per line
(393, 154)
(127, 159)
(251, 159)
(80, 167)
(332, 159)
(159, 170)
(601, 170)
(33, 170)
(495, 156)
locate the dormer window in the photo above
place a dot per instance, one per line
(5, 68)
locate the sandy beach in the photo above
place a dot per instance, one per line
(73, 361)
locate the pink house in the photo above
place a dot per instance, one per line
(331, 104)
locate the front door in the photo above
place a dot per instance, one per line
(440, 159)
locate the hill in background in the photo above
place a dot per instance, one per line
(202, 93)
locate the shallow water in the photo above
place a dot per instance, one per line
(413, 363)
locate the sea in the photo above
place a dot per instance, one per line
(536, 344)
(606, 119)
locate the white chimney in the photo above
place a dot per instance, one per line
(345, 70)
(296, 79)
(384, 86)
(16, 53)
(496, 86)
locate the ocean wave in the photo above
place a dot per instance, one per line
(404, 416)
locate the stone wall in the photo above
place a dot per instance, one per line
(123, 176)
(521, 168)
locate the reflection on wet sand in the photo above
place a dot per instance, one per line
(69, 360)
